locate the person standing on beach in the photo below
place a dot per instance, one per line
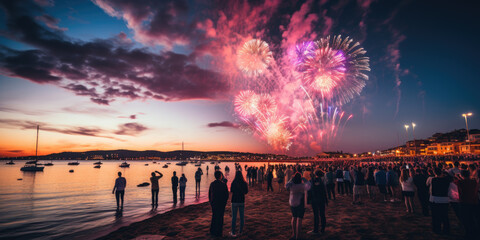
(289, 173)
(218, 196)
(238, 188)
(183, 184)
(198, 179)
(318, 200)
(207, 169)
(280, 179)
(439, 187)
(381, 181)
(408, 189)
(330, 183)
(119, 189)
(420, 181)
(155, 188)
(269, 179)
(298, 197)
(174, 186)
(392, 182)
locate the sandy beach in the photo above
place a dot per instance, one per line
(267, 216)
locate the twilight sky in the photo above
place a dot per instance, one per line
(147, 75)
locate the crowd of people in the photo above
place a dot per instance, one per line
(437, 186)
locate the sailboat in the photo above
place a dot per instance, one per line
(125, 164)
(49, 164)
(97, 163)
(32, 167)
(10, 163)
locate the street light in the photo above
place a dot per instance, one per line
(413, 133)
(465, 115)
(406, 129)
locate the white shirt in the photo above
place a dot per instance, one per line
(408, 185)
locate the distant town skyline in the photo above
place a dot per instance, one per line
(105, 75)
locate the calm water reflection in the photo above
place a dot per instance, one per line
(59, 204)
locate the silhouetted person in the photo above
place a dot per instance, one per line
(198, 179)
(238, 188)
(439, 199)
(207, 169)
(155, 188)
(269, 180)
(318, 200)
(183, 184)
(119, 189)
(174, 186)
(218, 196)
(420, 180)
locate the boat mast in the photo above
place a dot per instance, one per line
(36, 148)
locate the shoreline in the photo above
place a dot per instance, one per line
(268, 216)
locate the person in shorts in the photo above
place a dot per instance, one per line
(298, 191)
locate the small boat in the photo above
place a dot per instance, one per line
(74, 163)
(19, 179)
(125, 164)
(71, 170)
(212, 162)
(183, 163)
(48, 164)
(10, 163)
(97, 166)
(169, 163)
(143, 184)
(165, 166)
(31, 166)
(146, 164)
(97, 163)
(198, 164)
(154, 162)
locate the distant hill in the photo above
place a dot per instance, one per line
(122, 154)
(453, 136)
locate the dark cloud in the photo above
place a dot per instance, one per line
(70, 130)
(15, 151)
(163, 22)
(51, 22)
(130, 129)
(223, 124)
(102, 69)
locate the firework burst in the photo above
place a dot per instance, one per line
(246, 103)
(303, 108)
(334, 69)
(254, 57)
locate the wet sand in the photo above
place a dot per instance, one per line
(268, 216)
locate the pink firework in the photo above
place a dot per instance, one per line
(274, 130)
(266, 105)
(254, 57)
(246, 103)
(324, 71)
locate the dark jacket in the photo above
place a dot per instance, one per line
(420, 181)
(218, 194)
(174, 181)
(238, 189)
(317, 194)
